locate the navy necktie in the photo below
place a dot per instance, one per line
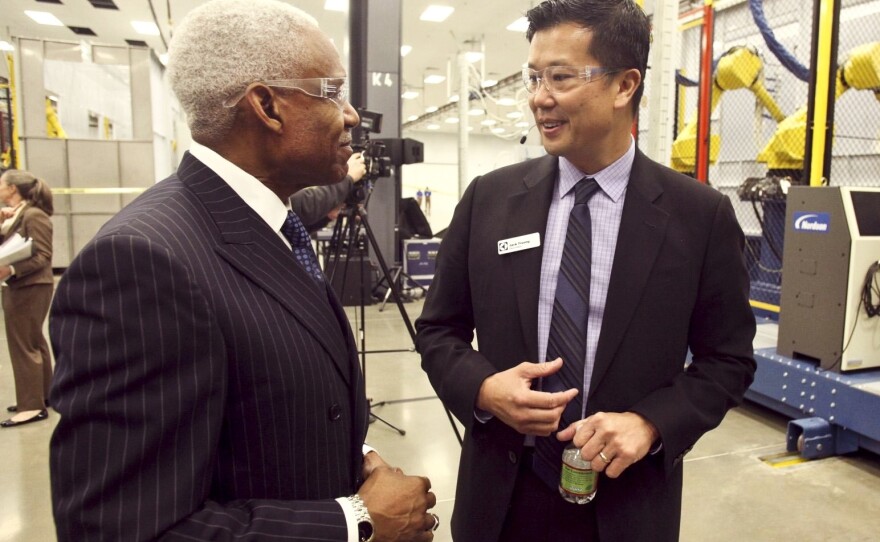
(568, 328)
(295, 232)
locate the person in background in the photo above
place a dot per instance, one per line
(427, 201)
(27, 293)
(207, 379)
(419, 195)
(314, 204)
(588, 275)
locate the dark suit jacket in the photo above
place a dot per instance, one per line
(678, 281)
(208, 388)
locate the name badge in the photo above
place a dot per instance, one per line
(523, 242)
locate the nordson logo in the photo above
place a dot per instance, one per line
(812, 222)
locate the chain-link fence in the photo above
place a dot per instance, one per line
(761, 82)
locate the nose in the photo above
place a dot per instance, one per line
(350, 116)
(542, 98)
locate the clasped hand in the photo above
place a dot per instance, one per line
(398, 504)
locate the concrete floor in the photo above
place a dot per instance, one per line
(730, 493)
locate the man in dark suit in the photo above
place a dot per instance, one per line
(653, 270)
(206, 375)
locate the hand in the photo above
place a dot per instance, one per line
(622, 437)
(508, 395)
(7, 212)
(356, 167)
(398, 505)
(372, 461)
(5, 272)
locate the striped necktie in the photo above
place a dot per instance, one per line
(295, 232)
(568, 328)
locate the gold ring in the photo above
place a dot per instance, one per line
(605, 459)
(436, 521)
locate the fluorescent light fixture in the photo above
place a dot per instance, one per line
(436, 14)
(147, 28)
(434, 79)
(433, 127)
(489, 83)
(452, 120)
(489, 122)
(476, 112)
(519, 25)
(473, 56)
(431, 109)
(6, 46)
(507, 102)
(412, 118)
(453, 98)
(514, 114)
(522, 124)
(43, 17)
(498, 130)
(336, 5)
(405, 50)
(410, 95)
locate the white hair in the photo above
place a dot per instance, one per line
(224, 45)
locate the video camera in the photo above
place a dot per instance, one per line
(375, 153)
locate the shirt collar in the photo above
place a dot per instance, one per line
(255, 194)
(612, 180)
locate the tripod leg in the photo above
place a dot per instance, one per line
(393, 279)
(400, 431)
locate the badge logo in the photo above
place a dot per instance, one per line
(812, 222)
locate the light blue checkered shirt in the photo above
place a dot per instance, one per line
(606, 208)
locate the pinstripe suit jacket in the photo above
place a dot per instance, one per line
(208, 388)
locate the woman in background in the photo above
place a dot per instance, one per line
(27, 293)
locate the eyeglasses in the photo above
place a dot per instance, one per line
(334, 89)
(559, 79)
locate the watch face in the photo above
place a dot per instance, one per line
(365, 530)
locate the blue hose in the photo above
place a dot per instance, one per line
(787, 59)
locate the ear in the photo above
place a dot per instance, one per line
(627, 84)
(263, 101)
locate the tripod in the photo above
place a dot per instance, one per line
(400, 278)
(356, 217)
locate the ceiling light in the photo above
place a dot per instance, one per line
(522, 124)
(147, 28)
(336, 5)
(498, 130)
(43, 17)
(514, 114)
(470, 128)
(507, 102)
(405, 50)
(473, 56)
(453, 98)
(476, 112)
(434, 79)
(436, 14)
(489, 83)
(489, 122)
(433, 127)
(431, 109)
(410, 95)
(519, 25)
(412, 118)
(6, 46)
(452, 120)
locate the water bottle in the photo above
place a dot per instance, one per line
(578, 481)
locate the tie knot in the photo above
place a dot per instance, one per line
(584, 190)
(295, 232)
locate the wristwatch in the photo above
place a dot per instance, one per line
(362, 516)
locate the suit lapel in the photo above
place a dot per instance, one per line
(527, 212)
(642, 230)
(251, 247)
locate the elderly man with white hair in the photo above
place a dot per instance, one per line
(207, 378)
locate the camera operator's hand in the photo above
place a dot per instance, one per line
(356, 167)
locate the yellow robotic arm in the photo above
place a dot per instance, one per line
(786, 148)
(738, 68)
(53, 125)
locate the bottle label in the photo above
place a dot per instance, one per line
(577, 481)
